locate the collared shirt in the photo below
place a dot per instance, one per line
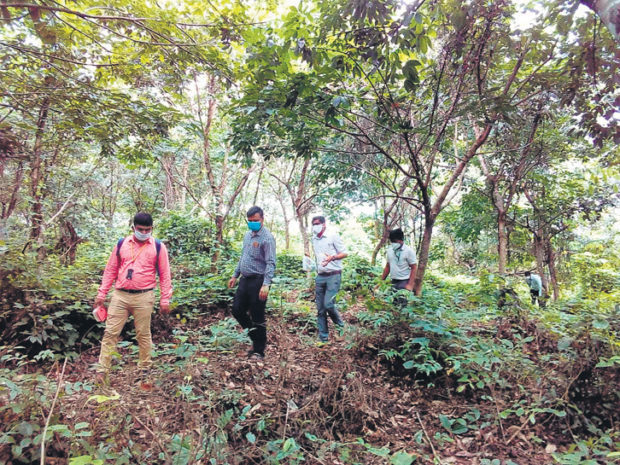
(400, 261)
(258, 255)
(535, 283)
(139, 257)
(324, 246)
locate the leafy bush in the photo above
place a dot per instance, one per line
(47, 306)
(359, 274)
(187, 234)
(597, 268)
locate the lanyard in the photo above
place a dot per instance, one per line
(135, 257)
(398, 252)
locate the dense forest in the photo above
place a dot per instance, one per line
(486, 130)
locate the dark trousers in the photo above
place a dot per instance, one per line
(536, 297)
(397, 285)
(249, 310)
(400, 283)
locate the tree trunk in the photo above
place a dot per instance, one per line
(425, 248)
(379, 246)
(609, 12)
(303, 231)
(219, 240)
(287, 233)
(502, 241)
(539, 253)
(9, 207)
(182, 192)
(553, 275)
(167, 162)
(36, 217)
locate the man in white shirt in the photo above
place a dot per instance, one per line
(329, 251)
(402, 263)
(536, 288)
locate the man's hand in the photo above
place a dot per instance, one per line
(232, 282)
(328, 259)
(409, 288)
(264, 292)
(99, 302)
(164, 309)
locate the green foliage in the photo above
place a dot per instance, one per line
(47, 306)
(359, 274)
(23, 425)
(471, 218)
(591, 451)
(289, 266)
(187, 235)
(596, 266)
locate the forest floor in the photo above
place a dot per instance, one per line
(204, 401)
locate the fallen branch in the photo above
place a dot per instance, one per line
(428, 439)
(49, 415)
(155, 437)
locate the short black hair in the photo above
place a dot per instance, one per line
(320, 218)
(143, 219)
(527, 273)
(254, 210)
(397, 235)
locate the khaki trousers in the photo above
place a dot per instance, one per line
(122, 305)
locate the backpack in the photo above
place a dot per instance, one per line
(157, 249)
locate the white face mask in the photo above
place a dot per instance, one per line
(141, 236)
(317, 228)
(396, 245)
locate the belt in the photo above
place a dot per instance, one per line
(135, 291)
(330, 273)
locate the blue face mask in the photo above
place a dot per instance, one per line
(254, 225)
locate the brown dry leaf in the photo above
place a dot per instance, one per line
(254, 409)
(551, 448)
(325, 370)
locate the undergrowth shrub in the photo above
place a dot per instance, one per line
(359, 274)
(46, 306)
(186, 234)
(553, 365)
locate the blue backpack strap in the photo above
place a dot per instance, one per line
(119, 244)
(157, 249)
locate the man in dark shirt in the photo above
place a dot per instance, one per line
(256, 267)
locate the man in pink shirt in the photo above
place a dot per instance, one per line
(132, 268)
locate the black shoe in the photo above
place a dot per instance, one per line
(257, 356)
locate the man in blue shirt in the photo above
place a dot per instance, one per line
(256, 267)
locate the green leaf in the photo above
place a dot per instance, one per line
(402, 458)
(251, 438)
(100, 399)
(445, 422)
(84, 460)
(601, 324)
